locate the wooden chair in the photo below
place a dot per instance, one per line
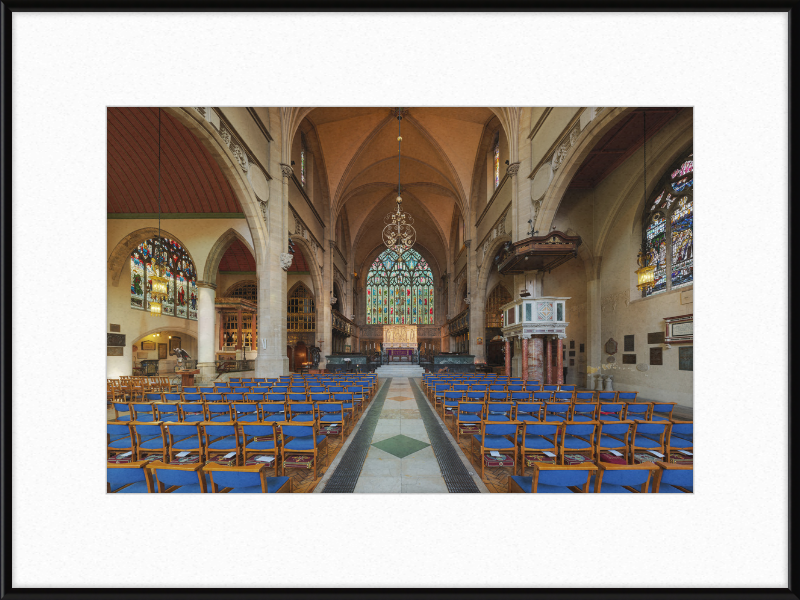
(260, 439)
(495, 436)
(554, 479)
(302, 446)
(179, 478)
(221, 439)
(680, 439)
(673, 478)
(649, 436)
(246, 480)
(620, 479)
(577, 437)
(184, 437)
(128, 478)
(150, 438)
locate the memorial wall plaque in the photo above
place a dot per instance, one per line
(628, 343)
(655, 338)
(611, 346)
(115, 339)
(611, 359)
(685, 358)
(656, 356)
(628, 359)
(113, 327)
(114, 351)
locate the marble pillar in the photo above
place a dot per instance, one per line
(524, 358)
(206, 313)
(549, 353)
(508, 357)
(560, 361)
(538, 359)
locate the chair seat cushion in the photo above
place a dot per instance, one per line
(536, 442)
(138, 487)
(544, 488)
(247, 418)
(613, 488)
(191, 441)
(574, 443)
(606, 441)
(666, 488)
(152, 443)
(678, 442)
(496, 441)
(124, 442)
(303, 443)
(643, 442)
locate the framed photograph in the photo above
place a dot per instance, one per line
(148, 345)
(174, 342)
(162, 351)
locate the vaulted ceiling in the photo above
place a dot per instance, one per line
(360, 152)
(191, 180)
(237, 258)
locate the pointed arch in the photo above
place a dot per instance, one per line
(118, 259)
(218, 251)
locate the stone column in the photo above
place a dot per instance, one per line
(538, 359)
(525, 358)
(206, 312)
(594, 354)
(549, 380)
(508, 356)
(477, 306)
(560, 361)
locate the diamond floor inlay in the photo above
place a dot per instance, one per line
(401, 445)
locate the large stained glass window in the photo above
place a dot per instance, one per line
(179, 272)
(399, 289)
(668, 221)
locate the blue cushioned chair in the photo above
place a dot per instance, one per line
(556, 411)
(542, 396)
(119, 439)
(548, 387)
(234, 397)
(610, 411)
(583, 411)
(673, 479)
(468, 417)
(167, 411)
(246, 412)
(348, 404)
(614, 435)
(450, 403)
(536, 439)
(649, 435)
(220, 439)
(122, 411)
(584, 397)
(273, 412)
(296, 389)
(562, 396)
(638, 410)
(150, 438)
(515, 387)
(438, 394)
(206, 390)
(246, 480)
(142, 412)
(128, 478)
(497, 435)
(301, 412)
(254, 397)
(577, 438)
(606, 396)
(627, 396)
(533, 385)
(299, 440)
(219, 411)
(554, 479)
(192, 412)
(621, 479)
(662, 411)
(184, 437)
(680, 437)
(261, 439)
(209, 398)
(528, 411)
(499, 411)
(566, 388)
(332, 414)
(232, 379)
(189, 390)
(178, 478)
(523, 396)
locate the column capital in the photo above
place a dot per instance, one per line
(512, 169)
(286, 170)
(206, 284)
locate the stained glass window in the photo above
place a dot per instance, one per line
(399, 289)
(497, 161)
(302, 310)
(303, 160)
(498, 297)
(179, 271)
(668, 221)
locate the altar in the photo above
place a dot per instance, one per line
(400, 342)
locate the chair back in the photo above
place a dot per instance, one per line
(498, 428)
(681, 477)
(237, 478)
(584, 396)
(550, 388)
(178, 475)
(562, 396)
(562, 477)
(627, 396)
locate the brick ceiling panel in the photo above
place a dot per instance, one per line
(191, 180)
(299, 263)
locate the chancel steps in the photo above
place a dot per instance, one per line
(386, 371)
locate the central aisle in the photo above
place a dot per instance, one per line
(391, 450)
(400, 457)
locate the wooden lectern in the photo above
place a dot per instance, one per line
(187, 377)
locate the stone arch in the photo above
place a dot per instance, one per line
(311, 259)
(218, 251)
(239, 283)
(296, 285)
(119, 256)
(242, 188)
(488, 261)
(179, 329)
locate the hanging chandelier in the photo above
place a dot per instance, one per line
(158, 283)
(645, 274)
(399, 233)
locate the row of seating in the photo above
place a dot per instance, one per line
(605, 478)
(230, 443)
(159, 477)
(128, 387)
(500, 391)
(624, 442)
(524, 409)
(239, 412)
